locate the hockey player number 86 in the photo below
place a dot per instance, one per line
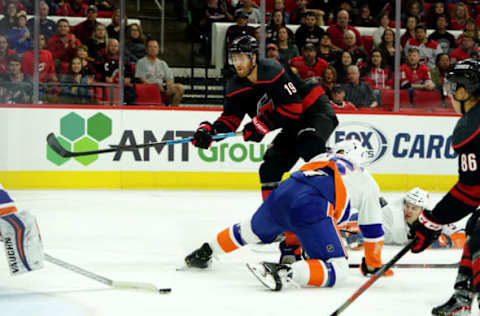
(468, 162)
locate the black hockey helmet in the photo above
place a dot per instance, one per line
(465, 73)
(245, 44)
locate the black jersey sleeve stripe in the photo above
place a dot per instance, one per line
(292, 108)
(469, 138)
(238, 91)
(457, 194)
(272, 80)
(231, 121)
(471, 190)
(283, 111)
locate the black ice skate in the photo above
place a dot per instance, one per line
(200, 258)
(273, 275)
(458, 305)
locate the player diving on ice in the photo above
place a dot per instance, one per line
(311, 204)
(20, 235)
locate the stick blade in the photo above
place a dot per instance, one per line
(53, 142)
(139, 286)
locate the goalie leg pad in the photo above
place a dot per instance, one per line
(22, 242)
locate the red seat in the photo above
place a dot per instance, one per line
(149, 94)
(443, 110)
(367, 42)
(388, 99)
(427, 99)
(426, 7)
(105, 14)
(413, 110)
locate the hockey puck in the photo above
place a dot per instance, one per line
(164, 291)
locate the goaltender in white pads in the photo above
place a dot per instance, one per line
(21, 237)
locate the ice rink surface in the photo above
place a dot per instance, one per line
(144, 235)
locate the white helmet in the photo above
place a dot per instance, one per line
(417, 197)
(352, 150)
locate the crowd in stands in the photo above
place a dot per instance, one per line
(77, 64)
(355, 70)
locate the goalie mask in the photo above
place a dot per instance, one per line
(417, 197)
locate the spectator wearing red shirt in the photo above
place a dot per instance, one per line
(413, 74)
(84, 30)
(4, 53)
(465, 50)
(46, 68)
(309, 66)
(338, 100)
(63, 45)
(375, 73)
(337, 31)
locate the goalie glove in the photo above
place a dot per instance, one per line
(22, 242)
(256, 129)
(425, 230)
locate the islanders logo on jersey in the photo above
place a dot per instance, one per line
(371, 138)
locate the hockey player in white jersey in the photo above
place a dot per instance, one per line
(20, 235)
(399, 215)
(311, 204)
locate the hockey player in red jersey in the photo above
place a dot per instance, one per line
(274, 98)
(462, 85)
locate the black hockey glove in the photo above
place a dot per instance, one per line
(256, 129)
(425, 230)
(203, 135)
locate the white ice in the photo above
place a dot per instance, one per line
(144, 235)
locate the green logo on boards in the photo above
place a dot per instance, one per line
(81, 135)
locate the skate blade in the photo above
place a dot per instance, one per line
(258, 270)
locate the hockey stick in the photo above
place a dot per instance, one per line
(53, 142)
(115, 284)
(416, 265)
(374, 278)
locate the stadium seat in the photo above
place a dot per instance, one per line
(105, 14)
(413, 110)
(443, 110)
(426, 7)
(388, 99)
(367, 42)
(427, 99)
(149, 94)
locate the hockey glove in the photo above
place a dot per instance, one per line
(366, 272)
(256, 129)
(203, 135)
(425, 230)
